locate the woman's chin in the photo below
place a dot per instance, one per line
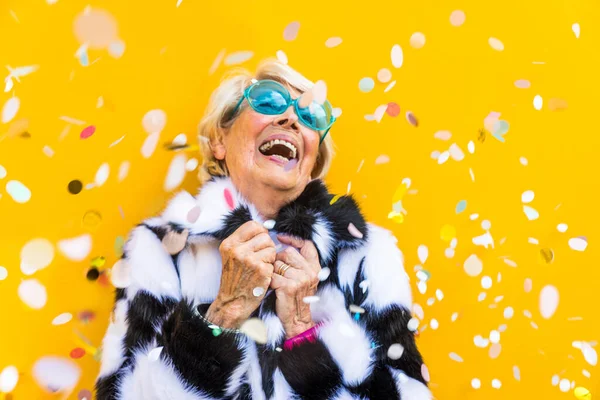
(280, 173)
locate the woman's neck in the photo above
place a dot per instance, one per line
(268, 200)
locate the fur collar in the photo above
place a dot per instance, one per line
(222, 209)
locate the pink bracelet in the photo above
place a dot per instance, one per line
(309, 335)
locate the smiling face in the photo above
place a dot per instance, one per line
(275, 151)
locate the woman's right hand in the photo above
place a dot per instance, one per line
(247, 257)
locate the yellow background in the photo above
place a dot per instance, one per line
(452, 83)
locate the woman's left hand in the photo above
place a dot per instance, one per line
(298, 281)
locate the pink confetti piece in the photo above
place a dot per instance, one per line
(290, 164)
(354, 231)
(291, 31)
(425, 372)
(410, 117)
(193, 214)
(87, 132)
(229, 199)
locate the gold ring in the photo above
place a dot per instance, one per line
(282, 268)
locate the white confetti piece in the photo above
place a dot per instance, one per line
(509, 312)
(443, 157)
(150, 144)
(179, 140)
(486, 225)
(449, 252)
(291, 31)
(523, 161)
(522, 84)
(456, 152)
(333, 42)
(473, 265)
(548, 301)
(390, 86)
(423, 253)
(3, 273)
(439, 294)
(589, 354)
(8, 84)
(475, 383)
(310, 299)
(422, 286)
(425, 372)
(495, 350)
(354, 231)
(586, 373)
(56, 374)
(564, 385)
(480, 341)
(258, 291)
(324, 274)
(434, 324)
(527, 196)
(18, 191)
(397, 56)
(472, 174)
(77, 248)
(320, 92)
(395, 351)
(102, 174)
(496, 44)
(496, 384)
(417, 40)
(255, 329)
(443, 135)
(380, 112)
(336, 112)
(123, 170)
(10, 109)
(502, 328)
(562, 228)
(33, 293)
(531, 213)
(555, 380)
(154, 121)
(9, 377)
(481, 296)
(471, 147)
(538, 102)
(456, 357)
(418, 311)
(413, 324)
(527, 313)
(454, 317)
(578, 243)
(155, 353)
(527, 285)
(494, 336)
(281, 56)
(510, 263)
(576, 29)
(37, 254)
(486, 282)
(191, 164)
(384, 75)
(62, 319)
(47, 150)
(116, 49)
(2, 172)
(120, 274)
(217, 61)
(430, 301)
(238, 57)
(176, 172)
(435, 154)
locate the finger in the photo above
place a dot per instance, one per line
(267, 255)
(259, 242)
(290, 273)
(291, 240)
(248, 231)
(309, 251)
(278, 282)
(293, 258)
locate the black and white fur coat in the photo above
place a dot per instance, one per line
(159, 308)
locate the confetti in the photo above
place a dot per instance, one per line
(434, 324)
(476, 383)
(562, 228)
(56, 374)
(413, 324)
(390, 86)
(281, 56)
(9, 377)
(154, 354)
(384, 75)
(495, 350)
(255, 329)
(548, 301)
(18, 191)
(75, 187)
(589, 354)
(33, 293)
(116, 48)
(578, 243)
(123, 170)
(217, 62)
(77, 353)
(417, 40)
(586, 373)
(175, 173)
(62, 319)
(47, 150)
(96, 28)
(473, 265)
(494, 336)
(154, 121)
(442, 135)
(418, 311)
(324, 274)
(191, 164)
(528, 285)
(291, 31)
(87, 132)
(443, 157)
(423, 253)
(527, 196)
(37, 254)
(120, 274)
(457, 18)
(576, 29)
(439, 294)
(354, 231)
(496, 44)
(531, 213)
(336, 112)
(538, 102)
(395, 351)
(486, 282)
(496, 384)
(425, 372)
(456, 357)
(77, 248)
(461, 206)
(102, 174)
(10, 109)
(480, 341)
(333, 42)
(150, 144)
(397, 56)
(228, 198)
(3, 273)
(564, 385)
(522, 84)
(500, 129)
(410, 117)
(481, 296)
(582, 393)
(258, 291)
(238, 57)
(366, 84)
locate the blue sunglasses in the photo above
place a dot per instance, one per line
(270, 97)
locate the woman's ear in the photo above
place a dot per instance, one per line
(218, 148)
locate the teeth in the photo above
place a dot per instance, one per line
(270, 144)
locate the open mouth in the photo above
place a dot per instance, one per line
(279, 150)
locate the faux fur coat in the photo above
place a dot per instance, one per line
(158, 347)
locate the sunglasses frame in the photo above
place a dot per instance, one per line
(290, 102)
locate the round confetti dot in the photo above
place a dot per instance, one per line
(475, 383)
(333, 42)
(457, 18)
(395, 351)
(480, 341)
(154, 121)
(3, 273)
(56, 374)
(562, 227)
(582, 393)
(255, 329)
(324, 274)
(527, 196)
(548, 301)
(523, 84)
(62, 319)
(97, 28)
(84, 394)
(546, 255)
(2, 172)
(10, 109)
(116, 48)
(538, 102)
(366, 84)
(77, 353)
(87, 132)
(75, 187)
(496, 44)
(291, 31)
(447, 233)
(9, 377)
(397, 56)
(77, 248)
(281, 56)
(461, 206)
(258, 291)
(434, 324)
(191, 164)
(486, 282)
(384, 75)
(33, 293)
(410, 117)
(413, 324)
(18, 191)
(417, 40)
(523, 161)
(393, 110)
(509, 312)
(496, 384)
(486, 225)
(449, 252)
(564, 385)
(578, 243)
(473, 265)
(120, 274)
(92, 274)
(494, 336)
(35, 255)
(91, 220)
(495, 350)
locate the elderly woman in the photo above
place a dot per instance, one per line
(264, 285)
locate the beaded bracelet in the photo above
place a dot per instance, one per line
(309, 335)
(216, 330)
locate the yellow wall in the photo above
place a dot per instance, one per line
(452, 83)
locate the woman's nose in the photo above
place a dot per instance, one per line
(287, 120)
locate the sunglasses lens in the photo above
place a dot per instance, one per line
(269, 98)
(316, 116)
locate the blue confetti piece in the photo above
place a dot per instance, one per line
(83, 59)
(356, 316)
(461, 206)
